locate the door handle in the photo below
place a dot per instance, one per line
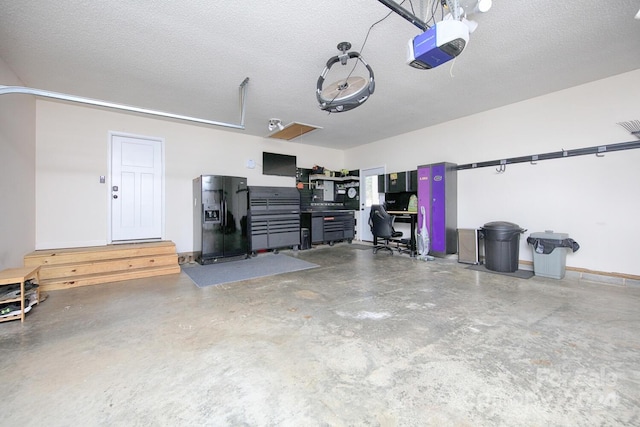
(115, 196)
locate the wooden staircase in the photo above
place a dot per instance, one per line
(70, 268)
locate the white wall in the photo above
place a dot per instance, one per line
(17, 173)
(595, 200)
(72, 153)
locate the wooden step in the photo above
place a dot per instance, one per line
(97, 253)
(70, 268)
(96, 279)
(106, 266)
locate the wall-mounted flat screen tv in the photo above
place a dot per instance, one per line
(278, 164)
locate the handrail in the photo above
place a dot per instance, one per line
(99, 103)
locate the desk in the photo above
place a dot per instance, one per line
(411, 217)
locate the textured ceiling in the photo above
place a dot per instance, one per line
(189, 57)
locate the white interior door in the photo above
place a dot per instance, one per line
(369, 195)
(136, 188)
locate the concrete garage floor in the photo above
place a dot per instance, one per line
(362, 340)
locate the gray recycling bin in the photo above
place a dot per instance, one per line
(501, 246)
(550, 253)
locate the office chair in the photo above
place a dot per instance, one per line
(381, 224)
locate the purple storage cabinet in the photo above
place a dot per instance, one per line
(438, 193)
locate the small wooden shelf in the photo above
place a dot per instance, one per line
(19, 275)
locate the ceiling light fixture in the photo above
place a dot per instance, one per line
(275, 123)
(474, 6)
(347, 93)
(483, 6)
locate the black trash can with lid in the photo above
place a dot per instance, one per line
(501, 246)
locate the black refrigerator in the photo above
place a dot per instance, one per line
(219, 217)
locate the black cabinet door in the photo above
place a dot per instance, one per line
(382, 183)
(317, 229)
(234, 218)
(212, 216)
(397, 182)
(412, 181)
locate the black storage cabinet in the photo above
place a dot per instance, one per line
(329, 226)
(274, 218)
(501, 246)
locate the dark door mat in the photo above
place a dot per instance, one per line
(245, 269)
(520, 274)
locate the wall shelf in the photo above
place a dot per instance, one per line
(320, 177)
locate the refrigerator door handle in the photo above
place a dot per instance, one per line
(223, 220)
